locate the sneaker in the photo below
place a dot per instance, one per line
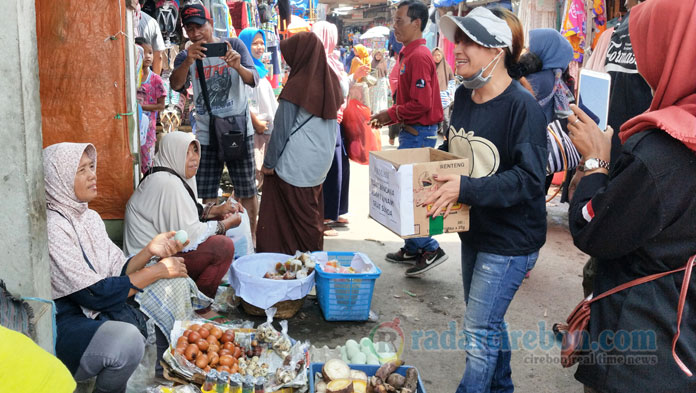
(402, 256)
(427, 261)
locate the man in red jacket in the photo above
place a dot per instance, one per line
(418, 110)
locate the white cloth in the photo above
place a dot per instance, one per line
(161, 203)
(73, 227)
(263, 103)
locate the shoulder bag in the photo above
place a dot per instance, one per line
(229, 133)
(575, 333)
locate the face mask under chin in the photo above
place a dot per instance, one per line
(477, 81)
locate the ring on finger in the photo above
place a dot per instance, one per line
(576, 120)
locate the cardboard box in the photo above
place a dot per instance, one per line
(402, 179)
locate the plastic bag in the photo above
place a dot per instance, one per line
(293, 373)
(283, 344)
(266, 332)
(359, 137)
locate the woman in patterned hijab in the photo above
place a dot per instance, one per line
(91, 280)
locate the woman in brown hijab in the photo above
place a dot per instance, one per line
(300, 151)
(444, 75)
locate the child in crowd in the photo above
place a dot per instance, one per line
(150, 96)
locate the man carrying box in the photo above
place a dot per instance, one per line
(418, 110)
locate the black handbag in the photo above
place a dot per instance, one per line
(229, 133)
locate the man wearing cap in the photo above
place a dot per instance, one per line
(418, 110)
(225, 78)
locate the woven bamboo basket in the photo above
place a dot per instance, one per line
(285, 309)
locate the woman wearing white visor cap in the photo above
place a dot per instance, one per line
(499, 126)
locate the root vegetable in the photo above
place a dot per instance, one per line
(340, 386)
(359, 386)
(388, 369)
(202, 345)
(201, 361)
(358, 375)
(396, 380)
(320, 387)
(335, 369)
(214, 359)
(191, 352)
(411, 381)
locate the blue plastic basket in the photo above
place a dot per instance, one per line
(315, 368)
(345, 297)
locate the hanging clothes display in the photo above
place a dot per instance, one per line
(574, 28)
(537, 14)
(599, 20)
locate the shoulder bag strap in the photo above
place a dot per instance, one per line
(680, 307)
(84, 255)
(293, 133)
(156, 169)
(204, 87)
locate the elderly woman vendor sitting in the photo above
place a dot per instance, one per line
(99, 332)
(166, 200)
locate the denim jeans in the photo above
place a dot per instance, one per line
(490, 282)
(427, 137)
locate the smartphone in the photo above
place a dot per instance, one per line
(217, 49)
(593, 96)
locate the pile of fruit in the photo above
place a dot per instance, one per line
(209, 347)
(296, 268)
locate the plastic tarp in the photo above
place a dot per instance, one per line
(83, 89)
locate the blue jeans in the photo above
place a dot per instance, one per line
(490, 282)
(427, 137)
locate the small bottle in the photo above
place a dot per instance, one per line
(223, 385)
(248, 385)
(210, 384)
(235, 384)
(259, 386)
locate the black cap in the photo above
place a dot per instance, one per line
(194, 13)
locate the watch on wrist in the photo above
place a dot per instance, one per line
(595, 163)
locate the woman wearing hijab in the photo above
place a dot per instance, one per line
(99, 332)
(360, 90)
(444, 76)
(630, 216)
(379, 92)
(545, 67)
(166, 199)
(362, 57)
(553, 53)
(262, 101)
(336, 185)
(300, 151)
(499, 126)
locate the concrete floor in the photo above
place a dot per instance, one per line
(435, 301)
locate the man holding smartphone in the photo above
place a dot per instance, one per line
(225, 76)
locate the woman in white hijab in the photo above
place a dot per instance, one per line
(99, 332)
(167, 198)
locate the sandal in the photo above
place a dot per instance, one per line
(328, 231)
(342, 221)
